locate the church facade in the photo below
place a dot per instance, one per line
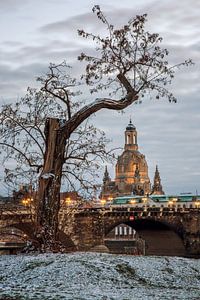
(131, 172)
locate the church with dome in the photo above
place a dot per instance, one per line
(131, 172)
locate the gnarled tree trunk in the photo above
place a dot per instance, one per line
(49, 187)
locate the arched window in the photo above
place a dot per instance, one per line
(128, 139)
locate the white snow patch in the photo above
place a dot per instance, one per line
(88, 276)
(48, 175)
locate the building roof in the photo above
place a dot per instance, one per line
(130, 126)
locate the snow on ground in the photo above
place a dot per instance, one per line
(89, 276)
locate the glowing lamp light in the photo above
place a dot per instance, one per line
(132, 201)
(68, 200)
(144, 199)
(103, 201)
(26, 201)
(110, 198)
(131, 218)
(174, 199)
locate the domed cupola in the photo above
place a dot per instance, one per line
(130, 126)
(131, 137)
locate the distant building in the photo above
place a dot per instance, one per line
(157, 187)
(131, 171)
(25, 192)
(70, 198)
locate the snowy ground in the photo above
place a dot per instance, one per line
(86, 276)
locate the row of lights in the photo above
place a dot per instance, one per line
(132, 201)
(68, 201)
(172, 201)
(27, 201)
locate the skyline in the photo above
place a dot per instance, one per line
(168, 134)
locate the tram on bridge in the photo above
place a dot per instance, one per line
(170, 201)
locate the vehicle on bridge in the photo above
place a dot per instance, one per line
(170, 201)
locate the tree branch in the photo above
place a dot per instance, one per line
(99, 104)
(22, 154)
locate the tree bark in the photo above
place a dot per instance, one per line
(49, 187)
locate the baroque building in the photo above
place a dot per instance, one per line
(157, 187)
(131, 171)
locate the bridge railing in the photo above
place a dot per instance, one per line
(138, 209)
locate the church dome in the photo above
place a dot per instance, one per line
(128, 161)
(131, 170)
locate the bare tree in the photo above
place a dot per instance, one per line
(22, 143)
(128, 63)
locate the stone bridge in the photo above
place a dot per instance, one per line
(15, 216)
(167, 231)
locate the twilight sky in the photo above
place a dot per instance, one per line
(34, 33)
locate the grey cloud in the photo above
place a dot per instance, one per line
(69, 24)
(12, 5)
(11, 44)
(14, 81)
(52, 51)
(89, 21)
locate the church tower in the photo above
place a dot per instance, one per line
(131, 173)
(157, 187)
(106, 177)
(131, 170)
(131, 137)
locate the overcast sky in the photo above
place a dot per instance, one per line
(34, 33)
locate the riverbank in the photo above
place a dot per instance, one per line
(88, 276)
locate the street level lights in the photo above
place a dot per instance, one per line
(26, 201)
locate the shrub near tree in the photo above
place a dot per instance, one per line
(129, 62)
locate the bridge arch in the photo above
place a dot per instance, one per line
(161, 236)
(28, 230)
